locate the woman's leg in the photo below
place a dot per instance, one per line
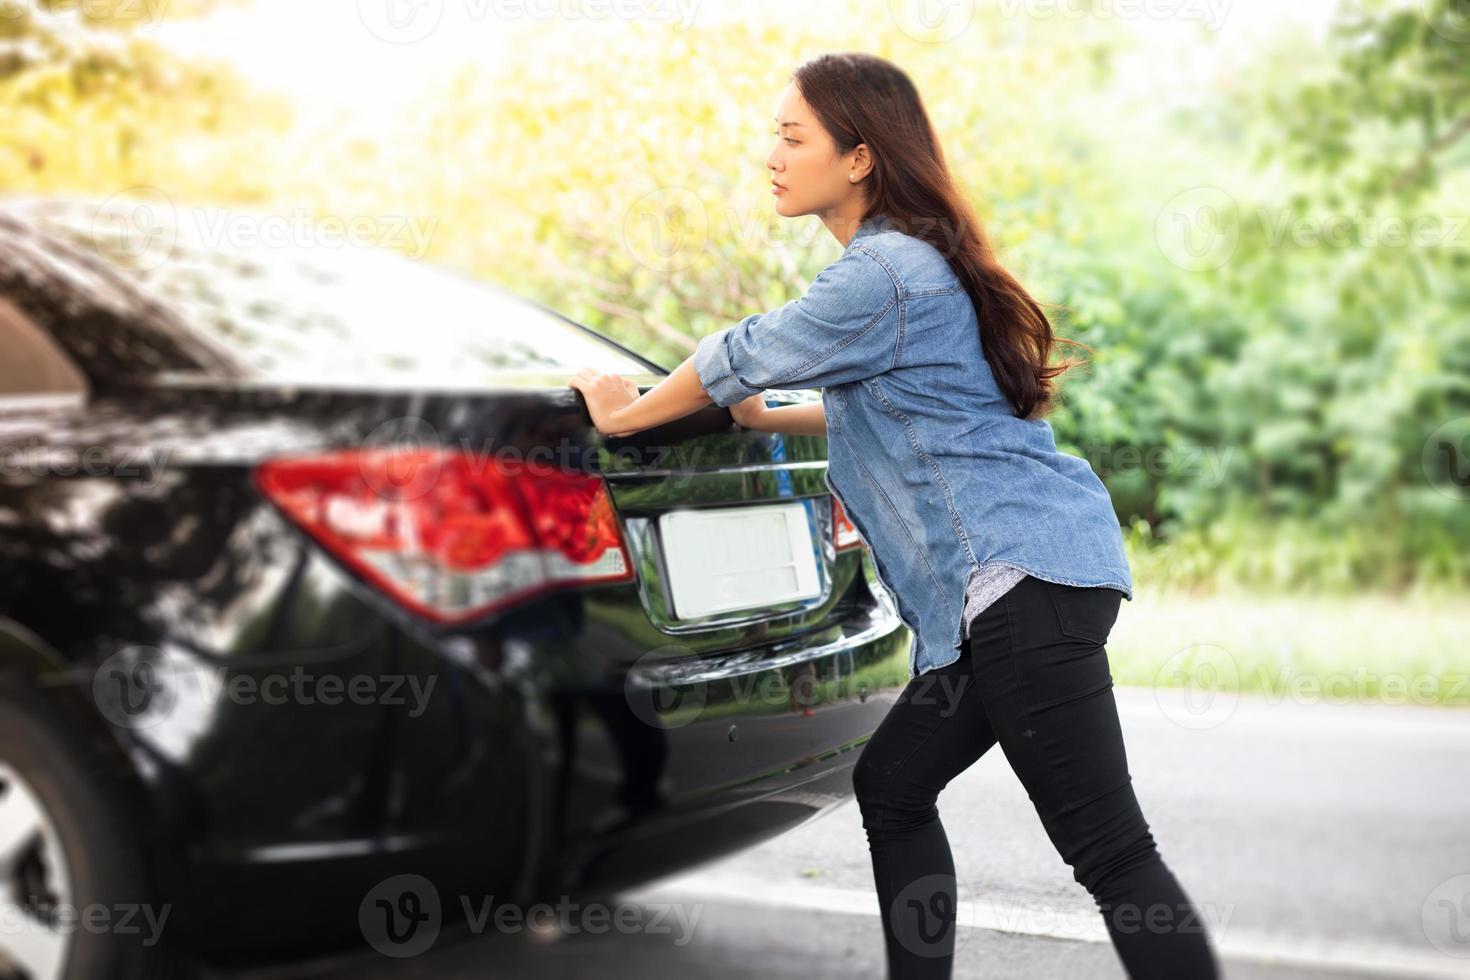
(933, 732)
(1042, 671)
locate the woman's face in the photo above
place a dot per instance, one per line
(805, 162)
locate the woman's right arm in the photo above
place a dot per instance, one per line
(797, 420)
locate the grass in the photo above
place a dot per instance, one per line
(1364, 647)
(1337, 648)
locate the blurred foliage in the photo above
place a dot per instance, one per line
(1260, 407)
(649, 217)
(1395, 108)
(90, 104)
(1325, 349)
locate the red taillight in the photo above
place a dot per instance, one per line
(844, 535)
(449, 535)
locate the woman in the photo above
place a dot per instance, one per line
(1004, 556)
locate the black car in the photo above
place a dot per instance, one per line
(314, 573)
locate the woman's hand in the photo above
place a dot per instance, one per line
(605, 394)
(749, 411)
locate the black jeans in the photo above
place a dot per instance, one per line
(1033, 676)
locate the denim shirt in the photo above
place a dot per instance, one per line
(953, 495)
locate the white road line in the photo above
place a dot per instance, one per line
(1358, 959)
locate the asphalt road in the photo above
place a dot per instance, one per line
(1319, 840)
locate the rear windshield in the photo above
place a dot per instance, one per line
(335, 311)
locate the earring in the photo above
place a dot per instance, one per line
(852, 177)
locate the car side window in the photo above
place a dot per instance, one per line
(32, 363)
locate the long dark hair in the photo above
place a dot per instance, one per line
(862, 98)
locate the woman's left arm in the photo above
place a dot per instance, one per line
(845, 328)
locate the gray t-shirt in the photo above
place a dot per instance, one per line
(984, 588)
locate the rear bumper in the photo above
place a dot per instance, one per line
(674, 764)
(541, 764)
(598, 781)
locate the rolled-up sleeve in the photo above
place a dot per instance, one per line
(845, 328)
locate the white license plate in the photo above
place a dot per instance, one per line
(738, 557)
